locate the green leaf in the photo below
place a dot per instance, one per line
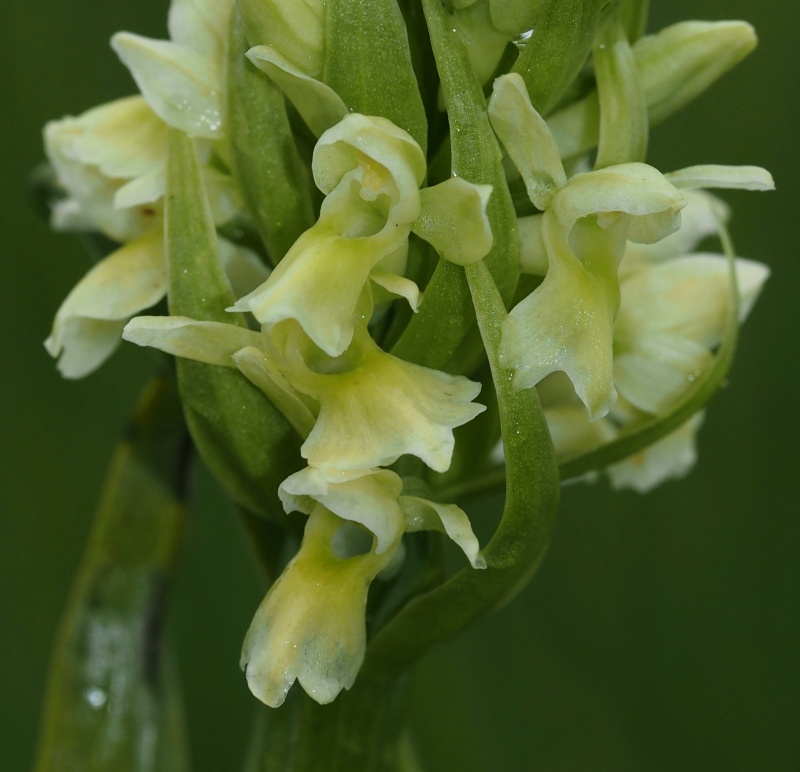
(368, 63)
(443, 334)
(246, 442)
(266, 163)
(113, 701)
(519, 542)
(623, 112)
(633, 15)
(558, 49)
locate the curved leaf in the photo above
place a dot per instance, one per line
(518, 544)
(245, 441)
(266, 163)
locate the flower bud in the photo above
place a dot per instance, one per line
(295, 29)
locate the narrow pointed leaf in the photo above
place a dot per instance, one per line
(559, 47)
(242, 437)
(266, 162)
(444, 333)
(518, 544)
(623, 112)
(368, 63)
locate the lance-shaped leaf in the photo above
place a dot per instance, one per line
(266, 162)
(368, 63)
(444, 330)
(559, 47)
(113, 700)
(243, 438)
(517, 545)
(623, 112)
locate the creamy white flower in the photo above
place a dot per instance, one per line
(374, 407)
(89, 323)
(674, 310)
(311, 625)
(182, 78)
(107, 160)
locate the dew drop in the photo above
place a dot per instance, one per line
(96, 697)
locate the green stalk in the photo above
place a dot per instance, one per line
(363, 730)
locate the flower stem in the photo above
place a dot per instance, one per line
(364, 730)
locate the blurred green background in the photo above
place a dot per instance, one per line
(662, 631)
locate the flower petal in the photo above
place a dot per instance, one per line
(527, 139)
(95, 155)
(658, 370)
(182, 86)
(387, 159)
(88, 324)
(200, 25)
(453, 220)
(257, 367)
(323, 276)
(211, 342)
(383, 408)
(700, 219)
(687, 296)
(319, 105)
(567, 322)
(364, 496)
(669, 458)
(424, 515)
(635, 189)
(294, 28)
(717, 176)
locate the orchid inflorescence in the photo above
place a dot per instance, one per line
(320, 232)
